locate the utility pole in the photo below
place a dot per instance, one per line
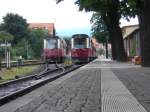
(27, 51)
(8, 58)
(106, 46)
(7, 54)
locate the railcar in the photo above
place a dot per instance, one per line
(54, 50)
(82, 48)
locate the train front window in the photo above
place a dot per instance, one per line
(80, 43)
(51, 44)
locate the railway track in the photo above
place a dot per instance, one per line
(19, 87)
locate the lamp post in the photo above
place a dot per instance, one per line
(106, 45)
(8, 56)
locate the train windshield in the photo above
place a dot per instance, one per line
(80, 43)
(51, 43)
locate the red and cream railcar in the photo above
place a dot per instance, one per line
(54, 50)
(82, 49)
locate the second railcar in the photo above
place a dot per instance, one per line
(54, 50)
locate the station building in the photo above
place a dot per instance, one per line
(50, 27)
(131, 39)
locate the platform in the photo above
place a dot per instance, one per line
(92, 88)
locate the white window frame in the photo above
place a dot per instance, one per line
(87, 45)
(44, 43)
(72, 43)
(58, 43)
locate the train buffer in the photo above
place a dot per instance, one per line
(91, 88)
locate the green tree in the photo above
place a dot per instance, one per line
(100, 31)
(36, 41)
(15, 25)
(5, 36)
(22, 48)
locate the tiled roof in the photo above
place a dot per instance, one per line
(48, 26)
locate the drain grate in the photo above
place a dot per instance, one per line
(115, 96)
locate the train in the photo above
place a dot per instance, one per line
(54, 50)
(82, 48)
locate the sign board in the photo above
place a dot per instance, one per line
(5, 45)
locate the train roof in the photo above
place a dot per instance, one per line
(80, 36)
(55, 37)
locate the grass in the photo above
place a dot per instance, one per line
(6, 75)
(67, 62)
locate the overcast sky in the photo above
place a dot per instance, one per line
(65, 15)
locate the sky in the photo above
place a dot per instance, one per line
(65, 15)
